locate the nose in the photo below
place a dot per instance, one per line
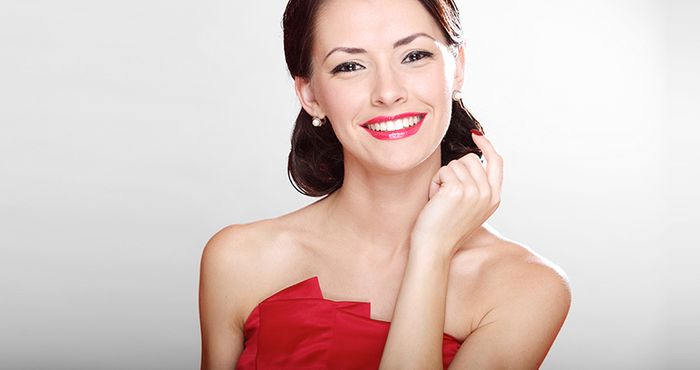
(388, 88)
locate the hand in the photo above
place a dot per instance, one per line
(463, 195)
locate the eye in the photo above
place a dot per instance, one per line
(347, 67)
(417, 55)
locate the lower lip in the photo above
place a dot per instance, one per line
(398, 134)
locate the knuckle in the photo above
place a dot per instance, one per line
(470, 157)
(486, 194)
(454, 163)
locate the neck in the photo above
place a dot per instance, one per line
(374, 212)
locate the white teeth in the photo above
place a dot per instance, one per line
(395, 125)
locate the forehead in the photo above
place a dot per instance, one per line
(367, 23)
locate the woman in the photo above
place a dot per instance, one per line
(400, 237)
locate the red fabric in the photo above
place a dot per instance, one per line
(296, 328)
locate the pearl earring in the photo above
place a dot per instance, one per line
(317, 121)
(456, 95)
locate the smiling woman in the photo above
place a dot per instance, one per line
(318, 175)
(395, 266)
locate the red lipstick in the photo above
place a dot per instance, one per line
(394, 134)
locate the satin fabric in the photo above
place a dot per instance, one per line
(296, 328)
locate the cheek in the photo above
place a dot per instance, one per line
(432, 85)
(341, 100)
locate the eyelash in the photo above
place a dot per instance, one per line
(416, 53)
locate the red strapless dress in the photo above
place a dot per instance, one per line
(296, 328)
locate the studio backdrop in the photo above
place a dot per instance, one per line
(132, 131)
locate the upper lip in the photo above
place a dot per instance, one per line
(379, 119)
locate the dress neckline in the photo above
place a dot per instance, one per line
(311, 286)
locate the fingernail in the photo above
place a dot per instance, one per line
(476, 132)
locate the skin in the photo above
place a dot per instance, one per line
(403, 233)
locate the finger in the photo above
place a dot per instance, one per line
(445, 178)
(494, 167)
(461, 171)
(477, 172)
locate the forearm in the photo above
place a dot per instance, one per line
(417, 326)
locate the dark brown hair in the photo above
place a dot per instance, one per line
(315, 166)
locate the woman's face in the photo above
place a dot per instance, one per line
(374, 60)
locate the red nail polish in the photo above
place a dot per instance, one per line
(476, 132)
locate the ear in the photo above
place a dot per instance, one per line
(459, 68)
(307, 98)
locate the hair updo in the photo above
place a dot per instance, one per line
(315, 165)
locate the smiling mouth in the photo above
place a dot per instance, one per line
(396, 123)
(395, 127)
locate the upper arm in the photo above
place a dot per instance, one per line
(519, 329)
(220, 299)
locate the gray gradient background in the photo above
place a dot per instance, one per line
(131, 131)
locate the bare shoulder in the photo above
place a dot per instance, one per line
(243, 245)
(234, 248)
(521, 272)
(523, 300)
(506, 277)
(240, 260)
(494, 260)
(233, 269)
(236, 243)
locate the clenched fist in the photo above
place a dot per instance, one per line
(463, 195)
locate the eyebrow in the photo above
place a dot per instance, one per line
(404, 41)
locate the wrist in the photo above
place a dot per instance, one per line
(429, 252)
